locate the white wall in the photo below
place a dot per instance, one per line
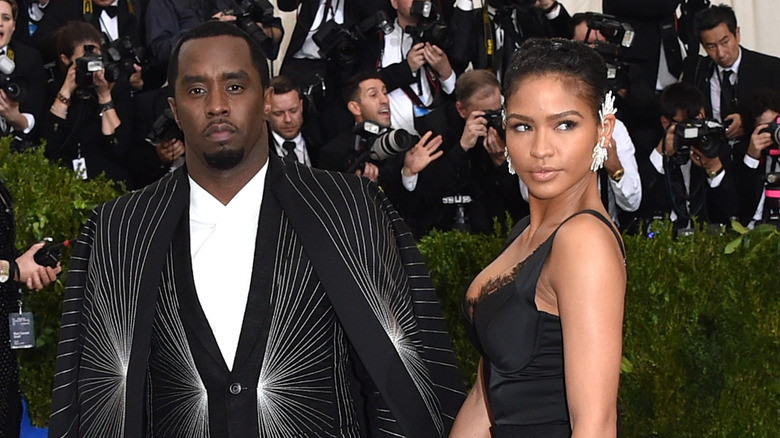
(757, 20)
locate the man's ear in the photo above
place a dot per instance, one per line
(172, 104)
(354, 108)
(269, 94)
(461, 110)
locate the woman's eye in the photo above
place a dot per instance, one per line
(521, 127)
(567, 125)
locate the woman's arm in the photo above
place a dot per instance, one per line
(473, 420)
(587, 275)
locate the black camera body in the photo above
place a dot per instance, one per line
(774, 130)
(14, 88)
(120, 56)
(86, 67)
(431, 27)
(495, 120)
(164, 129)
(706, 135)
(374, 143)
(248, 13)
(339, 41)
(615, 31)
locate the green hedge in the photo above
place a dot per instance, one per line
(49, 201)
(702, 326)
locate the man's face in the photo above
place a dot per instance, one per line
(372, 104)
(767, 116)
(219, 105)
(581, 32)
(285, 114)
(404, 8)
(721, 45)
(103, 3)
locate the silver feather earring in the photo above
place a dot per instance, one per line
(600, 151)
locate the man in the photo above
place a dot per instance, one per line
(729, 72)
(341, 332)
(285, 117)
(689, 184)
(367, 101)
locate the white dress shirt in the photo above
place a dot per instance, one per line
(300, 148)
(397, 46)
(108, 25)
(310, 49)
(717, 74)
(222, 247)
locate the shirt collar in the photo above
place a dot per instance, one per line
(278, 140)
(734, 67)
(204, 207)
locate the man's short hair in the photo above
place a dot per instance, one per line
(283, 84)
(713, 16)
(215, 28)
(351, 89)
(681, 96)
(759, 102)
(475, 82)
(576, 19)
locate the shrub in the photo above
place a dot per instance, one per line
(48, 201)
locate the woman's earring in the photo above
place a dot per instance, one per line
(599, 155)
(509, 162)
(599, 151)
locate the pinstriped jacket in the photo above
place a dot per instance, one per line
(360, 249)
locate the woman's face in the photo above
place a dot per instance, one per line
(79, 51)
(550, 135)
(7, 23)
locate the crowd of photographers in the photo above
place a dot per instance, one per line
(408, 94)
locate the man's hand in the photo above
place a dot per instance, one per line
(613, 164)
(422, 154)
(370, 171)
(666, 145)
(32, 274)
(705, 162)
(136, 79)
(416, 56)
(9, 109)
(436, 58)
(170, 150)
(759, 141)
(476, 127)
(735, 129)
(495, 146)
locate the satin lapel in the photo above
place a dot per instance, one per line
(365, 333)
(147, 299)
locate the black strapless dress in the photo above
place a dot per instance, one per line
(522, 349)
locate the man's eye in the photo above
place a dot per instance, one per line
(197, 90)
(235, 87)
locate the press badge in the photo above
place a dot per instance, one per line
(21, 327)
(80, 167)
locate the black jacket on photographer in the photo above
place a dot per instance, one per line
(30, 75)
(515, 21)
(80, 135)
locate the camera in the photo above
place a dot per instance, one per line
(495, 120)
(774, 130)
(615, 31)
(706, 135)
(338, 41)
(49, 255)
(248, 13)
(120, 56)
(164, 129)
(374, 143)
(431, 27)
(86, 67)
(12, 86)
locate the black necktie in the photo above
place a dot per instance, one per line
(110, 10)
(289, 146)
(728, 97)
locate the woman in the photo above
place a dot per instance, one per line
(547, 313)
(87, 126)
(14, 270)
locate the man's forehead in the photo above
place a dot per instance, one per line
(372, 84)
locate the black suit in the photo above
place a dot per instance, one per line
(359, 257)
(29, 73)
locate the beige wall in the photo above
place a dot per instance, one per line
(757, 19)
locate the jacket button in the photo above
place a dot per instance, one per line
(235, 388)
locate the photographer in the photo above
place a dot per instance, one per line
(88, 124)
(285, 118)
(367, 101)
(761, 157)
(489, 46)
(691, 180)
(22, 83)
